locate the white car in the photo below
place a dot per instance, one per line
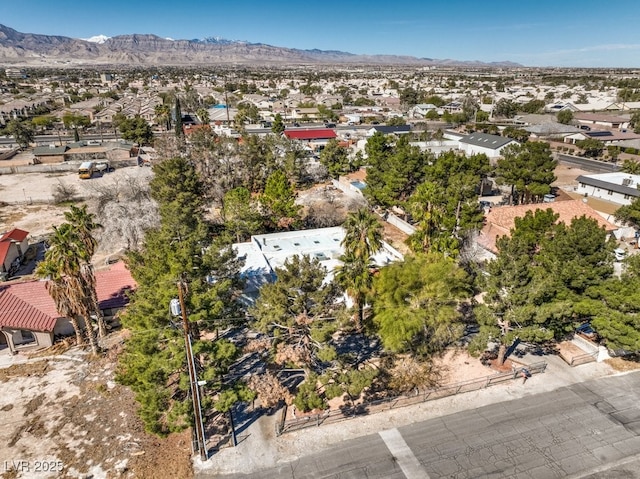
(103, 167)
(620, 253)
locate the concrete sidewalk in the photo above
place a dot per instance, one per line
(259, 448)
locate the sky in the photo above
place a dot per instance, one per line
(563, 33)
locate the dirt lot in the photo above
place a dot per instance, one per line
(26, 200)
(69, 412)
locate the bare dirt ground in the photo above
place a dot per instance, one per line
(566, 176)
(69, 410)
(26, 200)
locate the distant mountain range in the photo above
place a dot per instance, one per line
(18, 48)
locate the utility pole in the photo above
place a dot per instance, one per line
(193, 379)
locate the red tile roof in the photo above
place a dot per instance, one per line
(112, 286)
(15, 234)
(317, 134)
(29, 306)
(4, 250)
(501, 220)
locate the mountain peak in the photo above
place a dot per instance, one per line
(96, 39)
(150, 49)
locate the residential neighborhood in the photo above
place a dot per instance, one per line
(233, 251)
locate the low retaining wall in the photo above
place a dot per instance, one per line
(67, 166)
(347, 412)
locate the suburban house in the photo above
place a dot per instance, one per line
(389, 130)
(422, 109)
(221, 115)
(490, 145)
(13, 245)
(263, 254)
(315, 138)
(49, 154)
(551, 130)
(608, 137)
(600, 121)
(305, 113)
(618, 187)
(108, 150)
(499, 221)
(28, 315)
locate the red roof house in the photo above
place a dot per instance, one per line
(13, 244)
(28, 315)
(310, 135)
(501, 220)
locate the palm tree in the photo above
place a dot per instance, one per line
(58, 290)
(163, 115)
(203, 115)
(84, 224)
(355, 277)
(362, 239)
(65, 266)
(363, 235)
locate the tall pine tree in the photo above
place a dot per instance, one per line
(154, 361)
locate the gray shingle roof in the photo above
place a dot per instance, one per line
(485, 140)
(49, 150)
(605, 185)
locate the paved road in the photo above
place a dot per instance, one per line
(586, 430)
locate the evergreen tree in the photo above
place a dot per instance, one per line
(445, 205)
(394, 171)
(335, 158)
(542, 275)
(182, 248)
(241, 217)
(279, 200)
(298, 310)
(21, 131)
(417, 303)
(136, 129)
(629, 214)
(528, 169)
(177, 111)
(278, 125)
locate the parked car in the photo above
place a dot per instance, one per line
(587, 331)
(620, 253)
(104, 167)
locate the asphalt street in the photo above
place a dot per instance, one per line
(585, 430)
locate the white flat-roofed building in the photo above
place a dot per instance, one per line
(618, 187)
(264, 253)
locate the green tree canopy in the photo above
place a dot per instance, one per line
(299, 311)
(240, 214)
(529, 169)
(335, 159)
(136, 129)
(591, 147)
(279, 200)
(395, 169)
(277, 126)
(181, 248)
(564, 116)
(505, 108)
(542, 273)
(21, 131)
(417, 303)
